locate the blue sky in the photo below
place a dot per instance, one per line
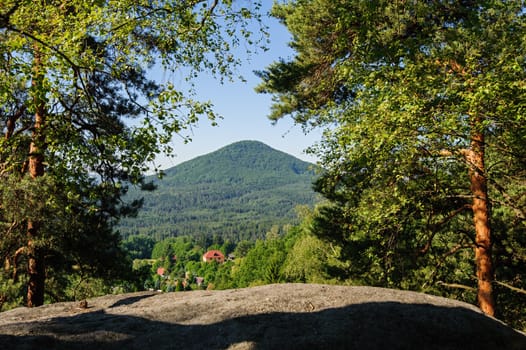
(245, 112)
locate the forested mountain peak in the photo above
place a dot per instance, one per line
(238, 192)
(237, 160)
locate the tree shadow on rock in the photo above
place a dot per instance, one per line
(132, 299)
(379, 325)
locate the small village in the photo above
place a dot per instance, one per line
(166, 281)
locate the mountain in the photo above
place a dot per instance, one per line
(237, 192)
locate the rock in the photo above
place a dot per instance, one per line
(284, 316)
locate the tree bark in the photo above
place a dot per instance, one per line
(481, 217)
(36, 269)
(36, 264)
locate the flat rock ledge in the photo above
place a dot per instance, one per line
(279, 316)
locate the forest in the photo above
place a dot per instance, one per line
(238, 192)
(421, 105)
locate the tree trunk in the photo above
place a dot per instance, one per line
(36, 265)
(36, 269)
(481, 217)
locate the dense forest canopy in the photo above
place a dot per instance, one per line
(424, 147)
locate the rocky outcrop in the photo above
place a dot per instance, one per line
(285, 316)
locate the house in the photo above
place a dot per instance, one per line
(214, 255)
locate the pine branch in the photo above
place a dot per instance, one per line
(457, 286)
(515, 289)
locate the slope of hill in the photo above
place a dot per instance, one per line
(237, 192)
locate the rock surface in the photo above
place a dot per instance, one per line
(285, 316)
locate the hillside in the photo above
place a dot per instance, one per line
(284, 316)
(237, 192)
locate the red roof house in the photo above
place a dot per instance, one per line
(214, 255)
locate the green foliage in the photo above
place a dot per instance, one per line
(292, 256)
(402, 88)
(68, 225)
(76, 105)
(163, 249)
(237, 192)
(262, 264)
(181, 258)
(11, 292)
(311, 259)
(276, 259)
(139, 246)
(242, 248)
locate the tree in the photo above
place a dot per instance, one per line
(424, 103)
(139, 246)
(309, 258)
(81, 119)
(262, 264)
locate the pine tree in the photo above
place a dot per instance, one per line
(423, 103)
(81, 119)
